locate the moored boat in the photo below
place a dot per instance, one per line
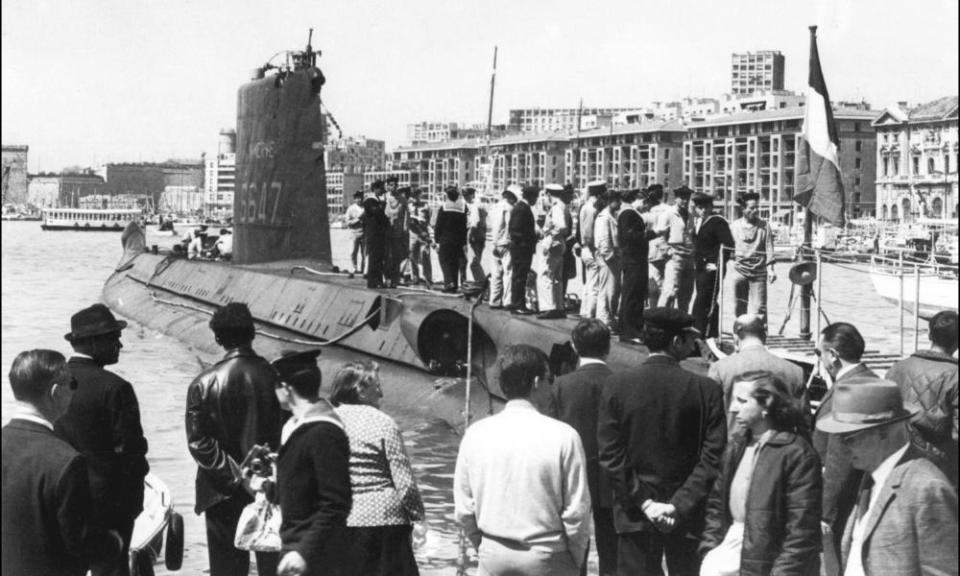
(88, 220)
(931, 287)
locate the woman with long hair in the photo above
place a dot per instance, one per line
(386, 500)
(768, 522)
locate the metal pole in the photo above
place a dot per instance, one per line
(807, 289)
(900, 299)
(819, 289)
(720, 270)
(916, 307)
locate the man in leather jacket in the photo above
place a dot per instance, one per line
(230, 407)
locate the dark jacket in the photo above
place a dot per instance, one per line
(911, 528)
(661, 436)
(782, 525)
(230, 407)
(451, 228)
(632, 237)
(714, 234)
(48, 515)
(103, 424)
(840, 478)
(313, 485)
(576, 401)
(928, 379)
(522, 228)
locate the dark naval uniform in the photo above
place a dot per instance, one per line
(634, 248)
(523, 242)
(713, 244)
(450, 234)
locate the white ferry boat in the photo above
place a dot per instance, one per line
(81, 219)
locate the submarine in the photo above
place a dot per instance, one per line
(282, 269)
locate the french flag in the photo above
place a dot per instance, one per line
(819, 185)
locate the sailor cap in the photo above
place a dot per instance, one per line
(554, 189)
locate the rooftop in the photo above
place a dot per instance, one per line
(936, 110)
(790, 113)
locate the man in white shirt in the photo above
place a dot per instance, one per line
(500, 224)
(588, 247)
(355, 225)
(553, 239)
(905, 519)
(608, 261)
(679, 273)
(520, 484)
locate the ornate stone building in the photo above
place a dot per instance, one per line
(917, 161)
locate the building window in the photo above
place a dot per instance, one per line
(856, 163)
(946, 163)
(931, 166)
(858, 145)
(916, 165)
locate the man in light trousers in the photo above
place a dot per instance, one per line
(608, 262)
(500, 225)
(588, 248)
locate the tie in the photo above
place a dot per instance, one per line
(863, 499)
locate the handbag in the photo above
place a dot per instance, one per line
(259, 527)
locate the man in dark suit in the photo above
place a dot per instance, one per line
(634, 249)
(523, 242)
(840, 349)
(712, 247)
(49, 520)
(451, 237)
(905, 518)
(576, 401)
(103, 424)
(231, 406)
(661, 436)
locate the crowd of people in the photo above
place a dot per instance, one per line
(635, 250)
(716, 475)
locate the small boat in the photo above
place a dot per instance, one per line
(89, 219)
(896, 280)
(158, 530)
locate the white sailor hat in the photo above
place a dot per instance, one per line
(554, 189)
(516, 189)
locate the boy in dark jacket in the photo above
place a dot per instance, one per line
(313, 475)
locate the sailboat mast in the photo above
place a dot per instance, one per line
(493, 80)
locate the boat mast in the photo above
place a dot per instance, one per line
(488, 184)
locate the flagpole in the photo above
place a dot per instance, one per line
(807, 289)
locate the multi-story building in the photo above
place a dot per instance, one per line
(541, 120)
(182, 200)
(757, 152)
(433, 132)
(752, 71)
(149, 178)
(917, 160)
(15, 174)
(354, 155)
(340, 190)
(63, 190)
(633, 155)
(220, 179)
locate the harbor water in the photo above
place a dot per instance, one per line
(47, 276)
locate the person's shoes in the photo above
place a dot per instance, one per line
(573, 316)
(522, 311)
(551, 315)
(496, 307)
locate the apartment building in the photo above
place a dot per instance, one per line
(752, 71)
(917, 160)
(340, 190)
(541, 120)
(354, 155)
(757, 152)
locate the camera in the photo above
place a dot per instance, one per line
(260, 461)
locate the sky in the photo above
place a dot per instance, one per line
(86, 82)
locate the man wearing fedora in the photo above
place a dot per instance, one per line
(231, 407)
(840, 350)
(103, 424)
(905, 518)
